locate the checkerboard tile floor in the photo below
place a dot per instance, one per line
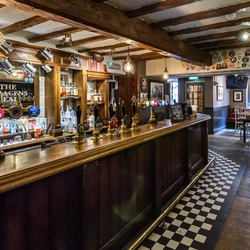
(196, 221)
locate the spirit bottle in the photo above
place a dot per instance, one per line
(100, 99)
(76, 91)
(70, 126)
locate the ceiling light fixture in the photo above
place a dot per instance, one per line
(165, 72)
(128, 66)
(243, 35)
(67, 37)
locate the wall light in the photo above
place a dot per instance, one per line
(6, 47)
(243, 35)
(165, 72)
(128, 65)
(29, 68)
(46, 68)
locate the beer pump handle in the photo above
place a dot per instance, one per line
(19, 100)
(1, 100)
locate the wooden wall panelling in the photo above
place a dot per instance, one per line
(104, 192)
(90, 205)
(52, 96)
(74, 208)
(103, 86)
(80, 79)
(36, 89)
(38, 216)
(58, 217)
(127, 86)
(13, 220)
(204, 141)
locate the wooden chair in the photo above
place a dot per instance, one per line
(239, 116)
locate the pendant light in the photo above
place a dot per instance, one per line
(128, 66)
(165, 72)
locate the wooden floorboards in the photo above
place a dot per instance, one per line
(236, 229)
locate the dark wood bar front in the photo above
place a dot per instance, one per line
(97, 195)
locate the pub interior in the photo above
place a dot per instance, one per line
(105, 119)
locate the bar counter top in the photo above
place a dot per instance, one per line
(29, 166)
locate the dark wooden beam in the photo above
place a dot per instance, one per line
(120, 45)
(99, 1)
(22, 25)
(201, 15)
(110, 21)
(54, 34)
(158, 7)
(117, 52)
(209, 37)
(221, 43)
(233, 46)
(2, 5)
(83, 41)
(209, 27)
(141, 57)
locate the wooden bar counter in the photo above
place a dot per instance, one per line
(97, 195)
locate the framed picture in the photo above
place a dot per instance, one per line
(157, 90)
(219, 93)
(143, 83)
(143, 96)
(238, 96)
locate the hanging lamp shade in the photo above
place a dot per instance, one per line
(128, 65)
(165, 72)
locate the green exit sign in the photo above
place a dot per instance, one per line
(193, 78)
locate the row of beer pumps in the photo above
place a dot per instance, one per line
(114, 129)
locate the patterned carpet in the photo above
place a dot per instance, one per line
(197, 220)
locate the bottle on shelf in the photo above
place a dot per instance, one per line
(100, 98)
(95, 96)
(70, 126)
(76, 91)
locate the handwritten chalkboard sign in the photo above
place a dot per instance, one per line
(176, 113)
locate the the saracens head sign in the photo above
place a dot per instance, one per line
(9, 91)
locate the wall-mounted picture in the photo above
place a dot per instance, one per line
(238, 96)
(157, 90)
(143, 84)
(219, 93)
(143, 96)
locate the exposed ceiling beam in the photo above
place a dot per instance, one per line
(209, 27)
(141, 57)
(2, 5)
(83, 41)
(103, 48)
(107, 20)
(54, 34)
(158, 7)
(99, 1)
(221, 43)
(201, 15)
(117, 52)
(233, 46)
(22, 25)
(209, 37)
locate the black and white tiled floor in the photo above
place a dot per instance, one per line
(196, 221)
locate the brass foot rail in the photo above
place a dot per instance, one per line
(162, 216)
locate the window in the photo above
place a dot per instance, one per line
(173, 90)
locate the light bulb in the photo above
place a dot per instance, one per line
(165, 74)
(128, 66)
